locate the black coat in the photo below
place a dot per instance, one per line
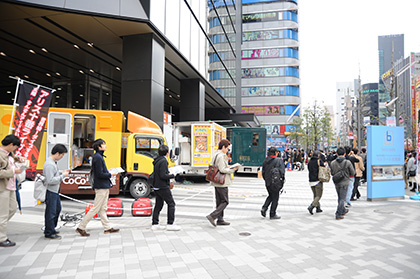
(101, 175)
(161, 173)
(268, 164)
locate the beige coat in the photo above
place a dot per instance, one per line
(6, 171)
(221, 161)
(359, 166)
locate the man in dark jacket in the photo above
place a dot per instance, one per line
(273, 190)
(101, 185)
(341, 165)
(163, 192)
(317, 186)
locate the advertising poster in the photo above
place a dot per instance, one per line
(30, 117)
(264, 110)
(201, 140)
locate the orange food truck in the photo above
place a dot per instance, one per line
(132, 152)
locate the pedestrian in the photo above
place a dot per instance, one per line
(101, 184)
(344, 166)
(363, 154)
(317, 186)
(359, 168)
(53, 178)
(353, 160)
(8, 172)
(273, 188)
(161, 186)
(221, 191)
(411, 171)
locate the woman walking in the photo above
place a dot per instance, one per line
(316, 185)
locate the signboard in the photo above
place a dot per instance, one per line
(385, 162)
(32, 103)
(201, 145)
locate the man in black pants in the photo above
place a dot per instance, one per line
(273, 190)
(163, 191)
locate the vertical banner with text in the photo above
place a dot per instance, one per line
(31, 114)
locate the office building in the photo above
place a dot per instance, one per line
(390, 50)
(270, 63)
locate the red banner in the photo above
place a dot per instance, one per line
(31, 114)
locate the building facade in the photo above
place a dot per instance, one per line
(390, 50)
(142, 56)
(269, 63)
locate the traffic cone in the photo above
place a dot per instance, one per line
(290, 167)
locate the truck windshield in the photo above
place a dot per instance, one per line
(148, 146)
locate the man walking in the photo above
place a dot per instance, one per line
(53, 178)
(221, 191)
(8, 204)
(162, 190)
(341, 171)
(101, 185)
(273, 174)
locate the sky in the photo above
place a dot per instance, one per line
(339, 37)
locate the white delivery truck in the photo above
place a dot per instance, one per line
(197, 143)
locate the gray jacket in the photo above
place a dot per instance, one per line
(53, 176)
(342, 163)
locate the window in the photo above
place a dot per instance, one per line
(255, 139)
(148, 146)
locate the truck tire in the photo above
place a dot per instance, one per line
(139, 188)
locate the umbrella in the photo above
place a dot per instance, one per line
(18, 197)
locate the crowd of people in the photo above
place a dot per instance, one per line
(346, 164)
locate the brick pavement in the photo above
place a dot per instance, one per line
(375, 240)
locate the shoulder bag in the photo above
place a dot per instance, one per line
(324, 173)
(214, 175)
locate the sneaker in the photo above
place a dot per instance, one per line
(158, 227)
(275, 217)
(7, 243)
(172, 227)
(82, 232)
(112, 230)
(53, 237)
(223, 223)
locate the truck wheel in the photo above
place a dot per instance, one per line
(139, 188)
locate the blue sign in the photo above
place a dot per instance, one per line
(385, 162)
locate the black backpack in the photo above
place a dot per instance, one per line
(340, 175)
(277, 177)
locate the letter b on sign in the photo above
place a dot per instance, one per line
(388, 138)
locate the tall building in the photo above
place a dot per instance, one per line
(270, 63)
(343, 89)
(390, 50)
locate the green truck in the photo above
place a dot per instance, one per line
(248, 147)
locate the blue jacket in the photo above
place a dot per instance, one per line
(101, 175)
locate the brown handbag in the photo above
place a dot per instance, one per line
(214, 175)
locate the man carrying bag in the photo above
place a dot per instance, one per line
(341, 170)
(273, 174)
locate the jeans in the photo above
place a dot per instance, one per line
(273, 199)
(222, 201)
(356, 193)
(317, 191)
(350, 190)
(52, 212)
(341, 194)
(164, 195)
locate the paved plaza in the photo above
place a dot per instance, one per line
(374, 240)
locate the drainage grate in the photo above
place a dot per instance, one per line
(244, 234)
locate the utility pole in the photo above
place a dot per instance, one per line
(358, 111)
